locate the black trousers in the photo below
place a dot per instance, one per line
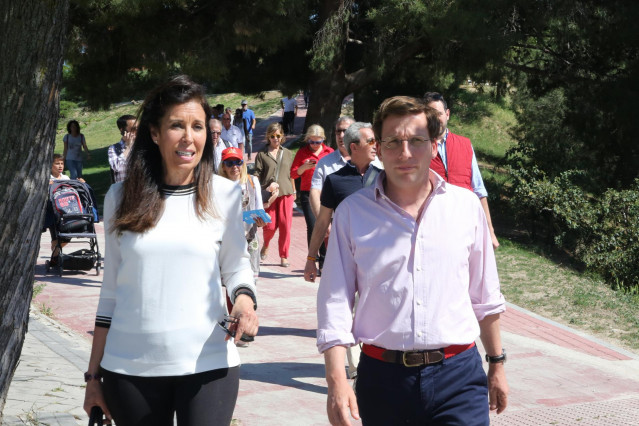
(206, 398)
(305, 204)
(288, 122)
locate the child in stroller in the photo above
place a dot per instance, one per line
(71, 213)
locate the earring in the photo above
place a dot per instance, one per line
(155, 141)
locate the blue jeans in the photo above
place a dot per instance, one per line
(453, 392)
(75, 168)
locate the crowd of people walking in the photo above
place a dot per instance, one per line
(397, 227)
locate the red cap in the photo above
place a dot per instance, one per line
(230, 153)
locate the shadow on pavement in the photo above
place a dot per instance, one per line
(286, 331)
(285, 374)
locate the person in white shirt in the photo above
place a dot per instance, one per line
(162, 344)
(219, 145)
(289, 106)
(119, 152)
(331, 163)
(231, 133)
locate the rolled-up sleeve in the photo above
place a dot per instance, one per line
(336, 294)
(477, 182)
(484, 288)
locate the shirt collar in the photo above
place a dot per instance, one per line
(443, 140)
(439, 184)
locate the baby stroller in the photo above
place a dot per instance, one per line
(72, 215)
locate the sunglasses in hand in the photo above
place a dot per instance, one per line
(233, 320)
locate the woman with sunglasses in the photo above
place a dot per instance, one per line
(273, 169)
(303, 167)
(160, 348)
(234, 168)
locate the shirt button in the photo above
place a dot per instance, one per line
(419, 334)
(419, 302)
(419, 268)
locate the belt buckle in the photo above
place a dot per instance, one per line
(406, 364)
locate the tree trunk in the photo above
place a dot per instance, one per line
(325, 104)
(33, 34)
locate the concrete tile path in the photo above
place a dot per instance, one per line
(557, 376)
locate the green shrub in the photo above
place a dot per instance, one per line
(601, 232)
(613, 250)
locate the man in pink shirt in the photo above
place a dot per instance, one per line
(419, 253)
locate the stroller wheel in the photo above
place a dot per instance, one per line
(97, 270)
(46, 265)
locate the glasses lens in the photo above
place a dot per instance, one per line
(340, 130)
(371, 141)
(216, 133)
(316, 142)
(275, 136)
(231, 163)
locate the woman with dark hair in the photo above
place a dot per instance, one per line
(273, 169)
(74, 142)
(171, 239)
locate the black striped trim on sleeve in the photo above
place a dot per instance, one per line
(102, 321)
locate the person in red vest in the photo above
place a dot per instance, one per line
(456, 161)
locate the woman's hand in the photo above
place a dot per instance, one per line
(259, 222)
(93, 396)
(248, 322)
(273, 187)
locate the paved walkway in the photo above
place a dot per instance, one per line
(557, 375)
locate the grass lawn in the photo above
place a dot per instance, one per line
(529, 278)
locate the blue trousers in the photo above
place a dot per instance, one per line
(453, 392)
(75, 168)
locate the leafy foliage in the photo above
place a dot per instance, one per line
(601, 232)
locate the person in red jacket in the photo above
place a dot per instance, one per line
(304, 166)
(456, 161)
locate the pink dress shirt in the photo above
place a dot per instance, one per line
(422, 284)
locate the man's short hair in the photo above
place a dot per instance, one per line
(406, 105)
(57, 157)
(121, 122)
(213, 121)
(342, 119)
(435, 97)
(352, 134)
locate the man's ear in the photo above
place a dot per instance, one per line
(447, 114)
(378, 150)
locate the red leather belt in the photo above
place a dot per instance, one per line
(414, 358)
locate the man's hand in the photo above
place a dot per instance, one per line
(497, 388)
(341, 403)
(493, 237)
(310, 271)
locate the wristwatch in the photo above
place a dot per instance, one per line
(499, 359)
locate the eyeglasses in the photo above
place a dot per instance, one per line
(233, 320)
(226, 119)
(393, 142)
(216, 133)
(340, 130)
(316, 142)
(231, 163)
(275, 136)
(371, 141)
